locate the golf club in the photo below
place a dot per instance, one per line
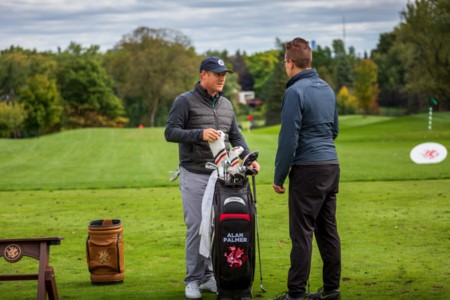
(226, 168)
(257, 232)
(211, 166)
(174, 174)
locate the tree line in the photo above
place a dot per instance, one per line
(136, 81)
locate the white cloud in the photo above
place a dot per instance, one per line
(250, 26)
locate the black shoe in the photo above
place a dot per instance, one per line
(285, 296)
(329, 295)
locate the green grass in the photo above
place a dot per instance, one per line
(369, 148)
(394, 240)
(392, 214)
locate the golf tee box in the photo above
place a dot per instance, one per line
(104, 251)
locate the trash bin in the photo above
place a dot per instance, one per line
(104, 250)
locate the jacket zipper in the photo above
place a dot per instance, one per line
(216, 118)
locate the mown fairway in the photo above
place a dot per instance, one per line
(393, 215)
(369, 148)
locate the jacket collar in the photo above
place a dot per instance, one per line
(301, 75)
(204, 93)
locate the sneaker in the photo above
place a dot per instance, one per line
(192, 291)
(209, 285)
(285, 296)
(329, 295)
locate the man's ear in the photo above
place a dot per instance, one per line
(291, 66)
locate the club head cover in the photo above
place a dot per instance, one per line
(250, 158)
(219, 152)
(234, 159)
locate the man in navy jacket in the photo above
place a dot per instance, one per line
(306, 153)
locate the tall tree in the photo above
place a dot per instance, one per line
(43, 104)
(324, 63)
(261, 66)
(87, 90)
(151, 67)
(246, 80)
(346, 101)
(17, 65)
(12, 117)
(13, 71)
(343, 65)
(28, 77)
(425, 28)
(274, 86)
(390, 57)
(366, 85)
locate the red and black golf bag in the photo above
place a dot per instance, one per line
(233, 242)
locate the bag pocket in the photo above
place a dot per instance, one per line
(104, 253)
(235, 251)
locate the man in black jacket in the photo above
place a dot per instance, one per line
(196, 117)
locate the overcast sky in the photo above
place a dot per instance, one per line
(250, 26)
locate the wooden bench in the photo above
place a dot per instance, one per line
(13, 250)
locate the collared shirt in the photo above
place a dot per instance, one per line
(214, 99)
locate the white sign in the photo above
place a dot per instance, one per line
(246, 95)
(428, 153)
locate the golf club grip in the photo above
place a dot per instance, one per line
(252, 172)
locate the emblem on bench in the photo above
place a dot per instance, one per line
(12, 253)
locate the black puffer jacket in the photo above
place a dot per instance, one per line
(191, 113)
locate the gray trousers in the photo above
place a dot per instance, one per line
(192, 186)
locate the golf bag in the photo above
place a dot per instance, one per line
(104, 251)
(233, 241)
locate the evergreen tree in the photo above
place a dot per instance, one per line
(246, 80)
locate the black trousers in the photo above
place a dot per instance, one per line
(312, 209)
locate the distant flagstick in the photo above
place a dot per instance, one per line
(430, 118)
(432, 102)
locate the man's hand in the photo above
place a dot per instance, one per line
(210, 135)
(255, 166)
(278, 189)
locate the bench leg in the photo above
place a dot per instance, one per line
(43, 263)
(50, 284)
